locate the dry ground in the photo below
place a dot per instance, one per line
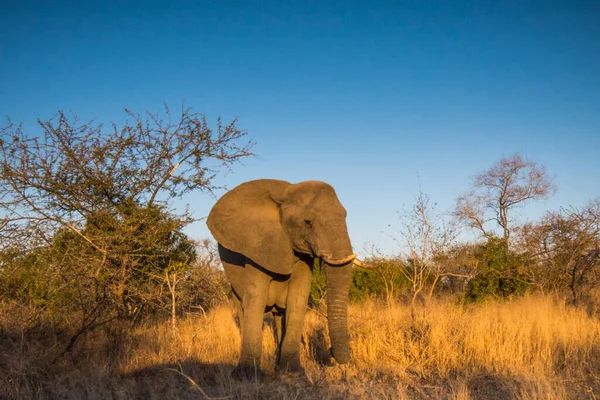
(532, 348)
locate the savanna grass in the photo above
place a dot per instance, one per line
(530, 348)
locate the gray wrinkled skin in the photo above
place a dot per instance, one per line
(269, 233)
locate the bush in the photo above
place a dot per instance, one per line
(384, 282)
(500, 275)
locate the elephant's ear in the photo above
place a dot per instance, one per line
(246, 220)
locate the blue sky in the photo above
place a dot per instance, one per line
(372, 97)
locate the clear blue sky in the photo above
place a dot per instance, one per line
(367, 96)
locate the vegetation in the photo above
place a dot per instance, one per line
(102, 295)
(530, 348)
(86, 230)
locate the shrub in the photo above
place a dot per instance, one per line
(500, 275)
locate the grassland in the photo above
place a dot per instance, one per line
(530, 348)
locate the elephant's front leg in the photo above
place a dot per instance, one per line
(297, 301)
(254, 300)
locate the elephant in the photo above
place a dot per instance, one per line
(269, 232)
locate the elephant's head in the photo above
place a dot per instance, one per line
(269, 221)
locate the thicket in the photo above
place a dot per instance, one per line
(88, 236)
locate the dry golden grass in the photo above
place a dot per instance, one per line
(532, 348)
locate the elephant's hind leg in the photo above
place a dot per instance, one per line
(279, 318)
(236, 302)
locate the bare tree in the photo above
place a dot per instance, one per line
(509, 183)
(74, 170)
(425, 237)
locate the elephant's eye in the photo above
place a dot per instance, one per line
(308, 223)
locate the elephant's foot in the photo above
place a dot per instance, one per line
(248, 372)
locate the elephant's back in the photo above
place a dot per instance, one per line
(254, 190)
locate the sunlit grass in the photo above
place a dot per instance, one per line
(531, 348)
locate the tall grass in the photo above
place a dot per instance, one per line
(531, 348)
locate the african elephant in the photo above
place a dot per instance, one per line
(269, 232)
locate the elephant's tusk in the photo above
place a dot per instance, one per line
(363, 264)
(339, 261)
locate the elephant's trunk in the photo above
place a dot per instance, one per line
(338, 286)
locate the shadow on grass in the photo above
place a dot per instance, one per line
(493, 387)
(186, 377)
(192, 379)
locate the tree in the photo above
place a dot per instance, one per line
(98, 198)
(509, 183)
(74, 170)
(564, 249)
(425, 238)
